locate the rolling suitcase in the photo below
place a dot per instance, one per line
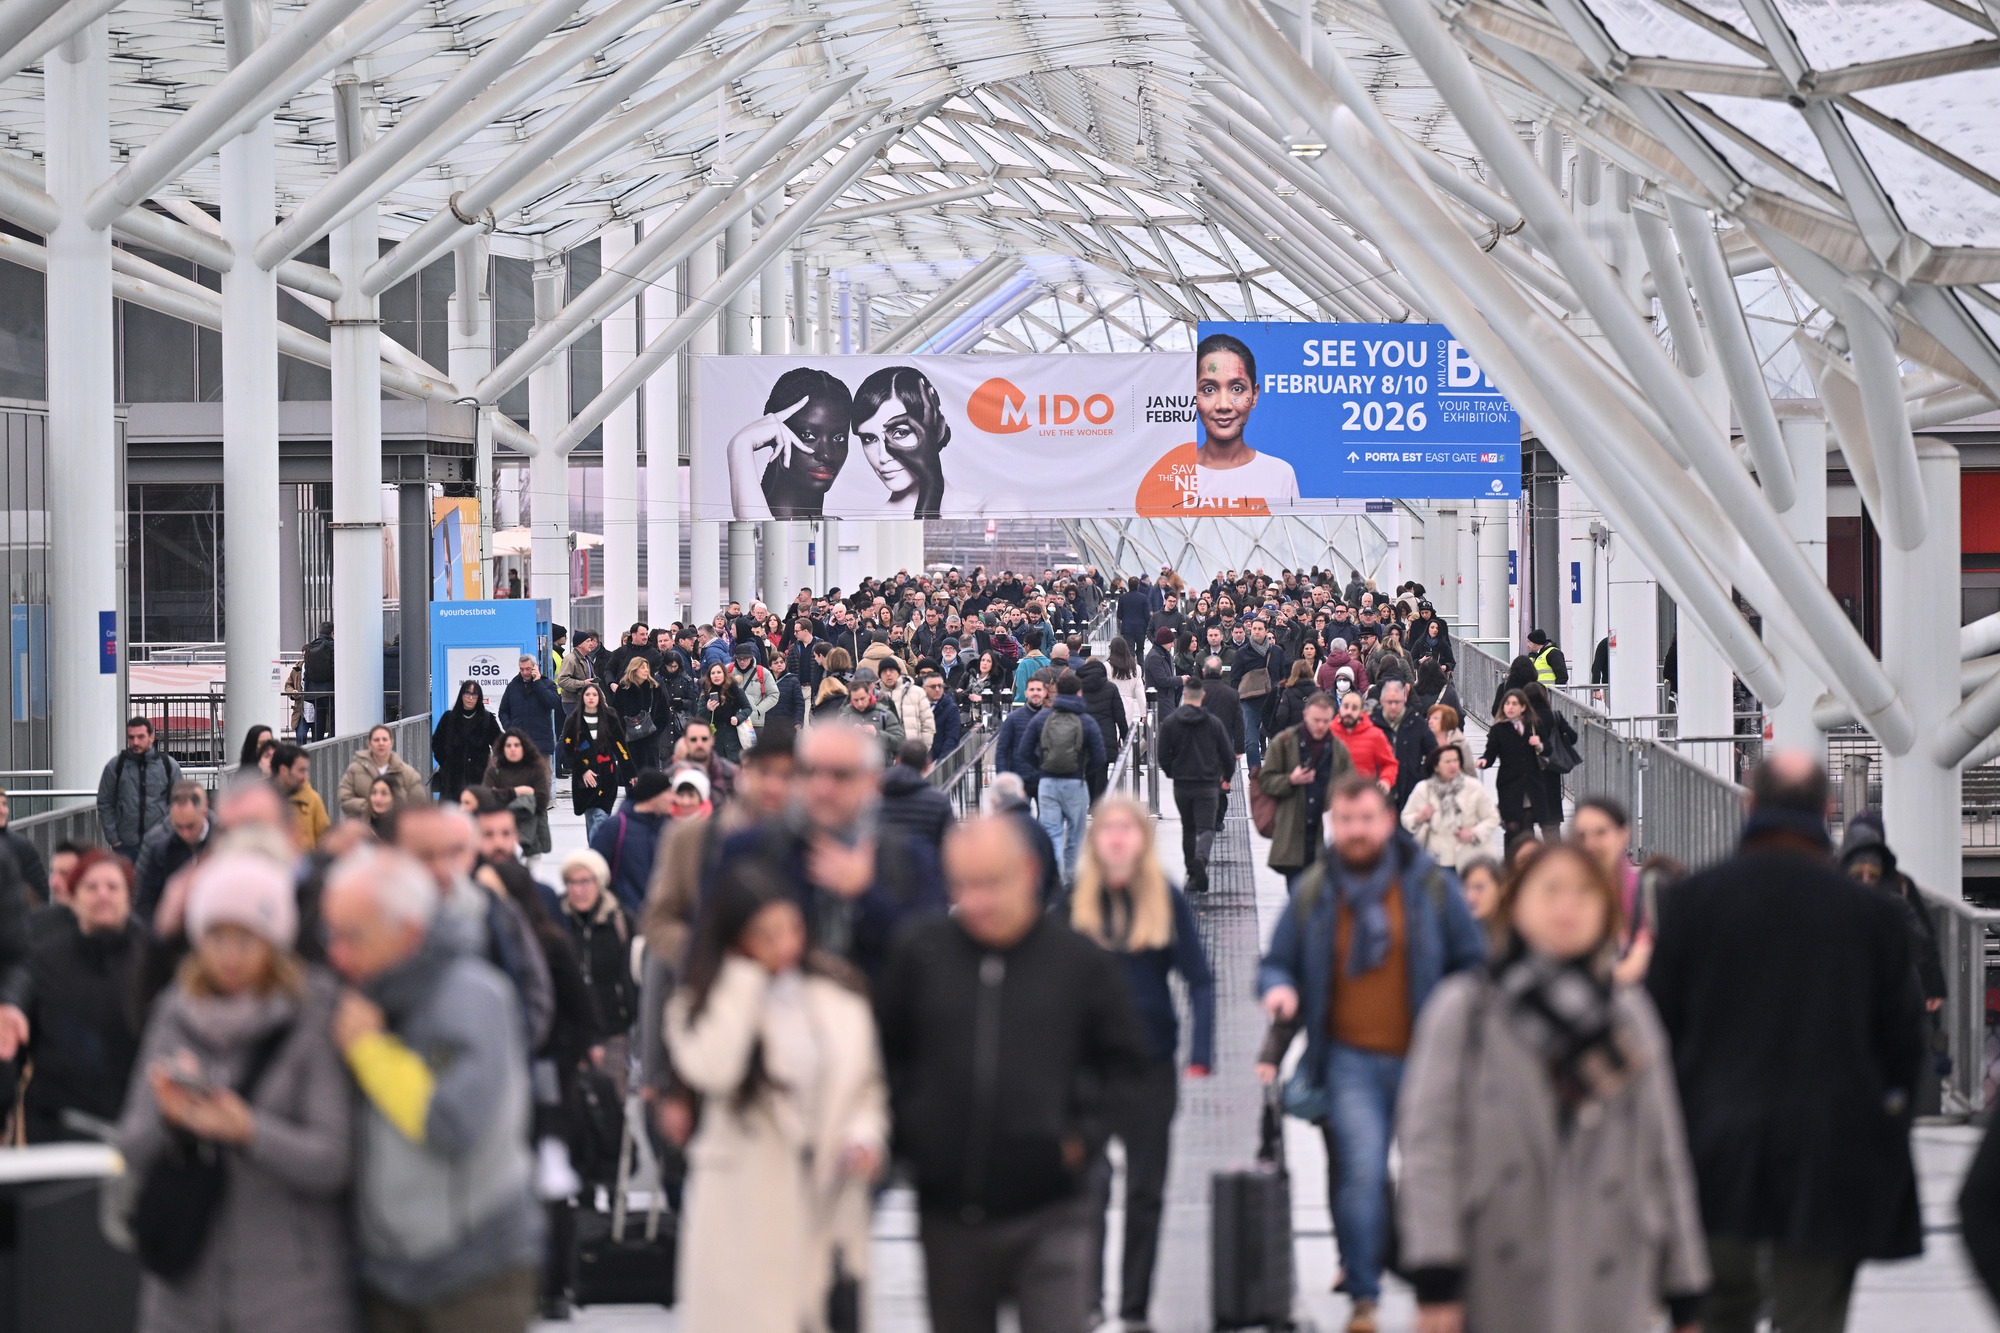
(622, 1257)
(1250, 1236)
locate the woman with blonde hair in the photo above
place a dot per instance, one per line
(1546, 1184)
(637, 696)
(239, 1068)
(1122, 900)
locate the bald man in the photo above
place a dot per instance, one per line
(990, 1020)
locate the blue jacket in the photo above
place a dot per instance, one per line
(717, 651)
(1031, 740)
(1013, 728)
(1147, 970)
(627, 842)
(533, 708)
(1025, 672)
(950, 726)
(1439, 939)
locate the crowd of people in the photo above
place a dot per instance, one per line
(406, 1048)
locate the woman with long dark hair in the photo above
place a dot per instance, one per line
(1548, 722)
(1125, 678)
(520, 773)
(253, 742)
(779, 1043)
(805, 427)
(723, 706)
(462, 744)
(903, 430)
(1520, 675)
(1123, 901)
(594, 755)
(1514, 742)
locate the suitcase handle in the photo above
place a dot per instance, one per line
(1271, 1128)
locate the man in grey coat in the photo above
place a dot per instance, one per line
(132, 793)
(445, 1214)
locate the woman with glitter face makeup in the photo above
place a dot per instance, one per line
(902, 428)
(805, 426)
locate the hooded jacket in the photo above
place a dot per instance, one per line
(1030, 752)
(462, 745)
(1101, 699)
(1864, 835)
(914, 808)
(1195, 747)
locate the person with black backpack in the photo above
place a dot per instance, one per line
(1062, 744)
(316, 676)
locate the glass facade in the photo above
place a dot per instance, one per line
(174, 573)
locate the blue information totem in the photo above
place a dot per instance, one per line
(1367, 410)
(483, 642)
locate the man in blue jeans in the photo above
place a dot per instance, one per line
(1062, 743)
(1372, 929)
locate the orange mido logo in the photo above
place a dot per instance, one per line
(999, 408)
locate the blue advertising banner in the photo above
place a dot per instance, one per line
(1300, 412)
(481, 642)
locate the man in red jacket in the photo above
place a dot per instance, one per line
(1372, 751)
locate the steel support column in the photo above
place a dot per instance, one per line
(738, 339)
(357, 445)
(250, 496)
(548, 469)
(85, 548)
(1922, 799)
(413, 594)
(621, 452)
(662, 427)
(1791, 721)
(1493, 588)
(469, 343)
(705, 536)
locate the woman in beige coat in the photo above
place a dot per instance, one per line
(378, 760)
(1451, 812)
(1546, 1185)
(780, 1044)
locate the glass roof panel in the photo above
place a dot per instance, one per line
(1833, 33)
(1777, 127)
(1958, 112)
(1935, 202)
(1646, 28)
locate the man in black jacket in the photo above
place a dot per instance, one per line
(1135, 608)
(910, 805)
(34, 875)
(1795, 1020)
(993, 1023)
(1158, 671)
(1196, 752)
(1409, 736)
(1218, 696)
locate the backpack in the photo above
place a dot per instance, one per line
(761, 707)
(1060, 753)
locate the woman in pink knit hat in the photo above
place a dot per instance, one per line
(239, 1067)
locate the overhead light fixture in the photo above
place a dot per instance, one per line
(1306, 148)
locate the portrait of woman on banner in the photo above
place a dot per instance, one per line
(805, 431)
(902, 429)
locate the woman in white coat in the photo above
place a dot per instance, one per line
(1451, 812)
(780, 1044)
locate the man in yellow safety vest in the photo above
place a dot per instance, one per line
(1551, 668)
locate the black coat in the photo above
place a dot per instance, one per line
(984, 1125)
(1522, 792)
(606, 757)
(1135, 608)
(1219, 697)
(462, 745)
(1161, 678)
(602, 939)
(914, 808)
(1789, 997)
(83, 1023)
(1194, 747)
(1102, 701)
(1414, 745)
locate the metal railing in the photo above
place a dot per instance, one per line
(326, 761)
(1967, 940)
(1133, 766)
(965, 770)
(190, 727)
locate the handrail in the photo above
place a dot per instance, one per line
(1965, 939)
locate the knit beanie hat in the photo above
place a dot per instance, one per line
(242, 889)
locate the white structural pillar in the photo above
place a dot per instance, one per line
(738, 330)
(469, 348)
(1922, 803)
(704, 545)
(83, 441)
(357, 444)
(1706, 698)
(1412, 521)
(621, 452)
(663, 460)
(1791, 721)
(1441, 545)
(250, 495)
(1493, 591)
(1634, 610)
(548, 471)
(774, 339)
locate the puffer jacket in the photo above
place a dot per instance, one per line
(453, 1204)
(1436, 813)
(360, 776)
(913, 709)
(277, 1252)
(132, 796)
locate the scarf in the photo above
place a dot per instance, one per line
(1364, 892)
(1447, 799)
(1564, 1011)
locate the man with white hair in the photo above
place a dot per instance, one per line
(856, 882)
(448, 1228)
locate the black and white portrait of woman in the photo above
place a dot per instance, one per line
(902, 429)
(782, 464)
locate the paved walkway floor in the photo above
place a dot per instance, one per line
(1216, 1129)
